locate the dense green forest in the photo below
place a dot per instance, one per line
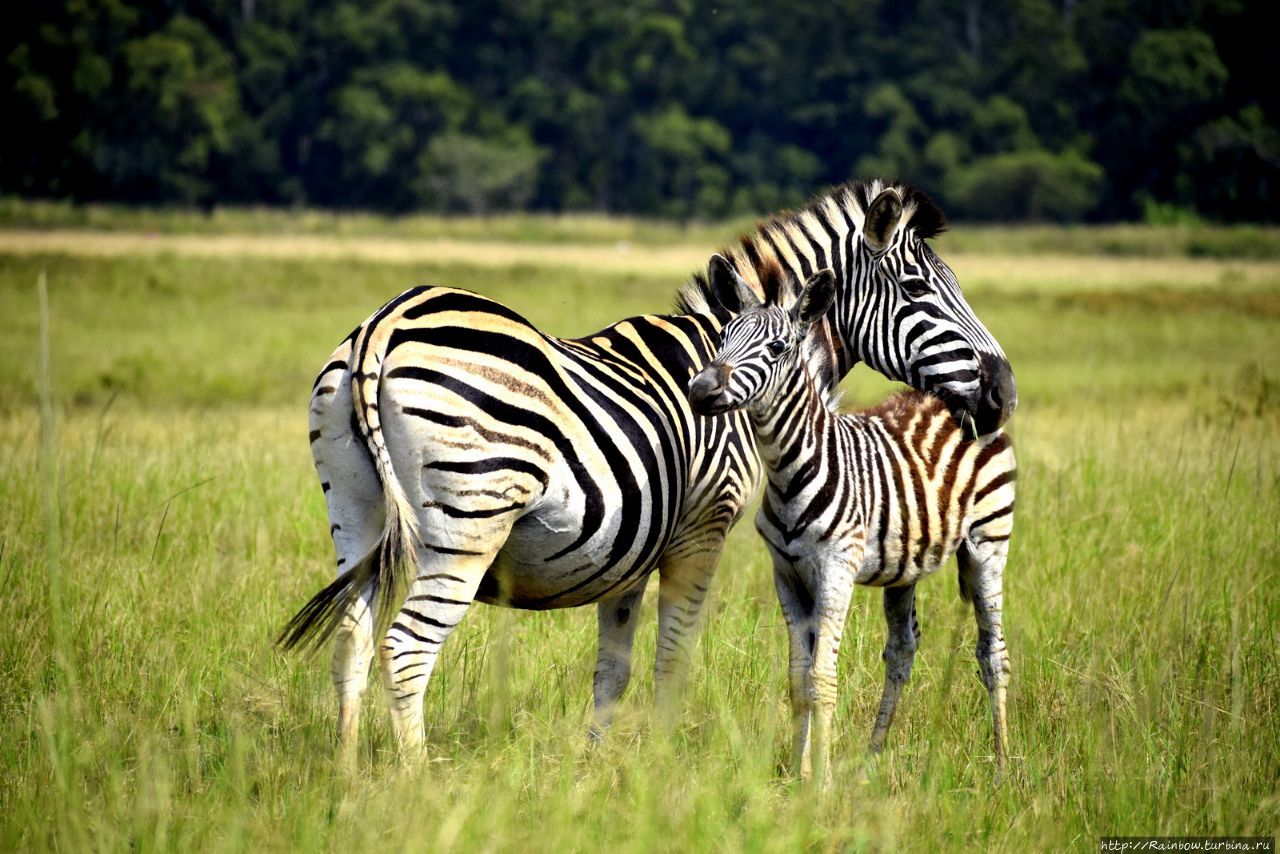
(1004, 109)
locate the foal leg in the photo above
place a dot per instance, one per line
(899, 653)
(831, 609)
(617, 624)
(797, 604)
(982, 571)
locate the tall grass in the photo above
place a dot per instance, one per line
(1142, 608)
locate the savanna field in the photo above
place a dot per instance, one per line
(161, 522)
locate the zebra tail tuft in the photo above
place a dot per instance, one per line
(318, 619)
(383, 571)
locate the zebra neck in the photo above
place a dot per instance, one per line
(809, 252)
(790, 426)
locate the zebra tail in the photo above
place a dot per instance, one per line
(387, 570)
(380, 570)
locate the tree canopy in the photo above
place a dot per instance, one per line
(1005, 109)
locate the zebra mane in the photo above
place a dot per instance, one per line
(765, 256)
(759, 252)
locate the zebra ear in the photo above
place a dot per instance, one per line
(881, 220)
(818, 294)
(730, 289)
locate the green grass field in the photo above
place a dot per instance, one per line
(155, 542)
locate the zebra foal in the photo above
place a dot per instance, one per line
(881, 497)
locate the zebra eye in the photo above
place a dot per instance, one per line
(776, 348)
(914, 287)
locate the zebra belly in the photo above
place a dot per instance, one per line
(903, 555)
(545, 562)
(579, 577)
(889, 570)
(539, 588)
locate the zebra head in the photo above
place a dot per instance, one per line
(763, 346)
(898, 307)
(902, 313)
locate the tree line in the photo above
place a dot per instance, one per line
(1061, 110)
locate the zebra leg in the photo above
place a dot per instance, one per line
(982, 571)
(353, 497)
(349, 668)
(353, 648)
(899, 653)
(684, 581)
(797, 609)
(438, 600)
(831, 609)
(617, 620)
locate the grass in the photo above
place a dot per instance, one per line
(146, 708)
(18, 213)
(1198, 240)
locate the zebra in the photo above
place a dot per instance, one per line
(881, 497)
(467, 456)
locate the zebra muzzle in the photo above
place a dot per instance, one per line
(709, 390)
(998, 397)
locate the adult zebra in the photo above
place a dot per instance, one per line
(467, 456)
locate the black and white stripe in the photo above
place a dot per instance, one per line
(881, 497)
(465, 456)
(898, 306)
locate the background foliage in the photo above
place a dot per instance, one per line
(1009, 109)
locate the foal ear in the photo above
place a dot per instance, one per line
(815, 298)
(881, 220)
(730, 289)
